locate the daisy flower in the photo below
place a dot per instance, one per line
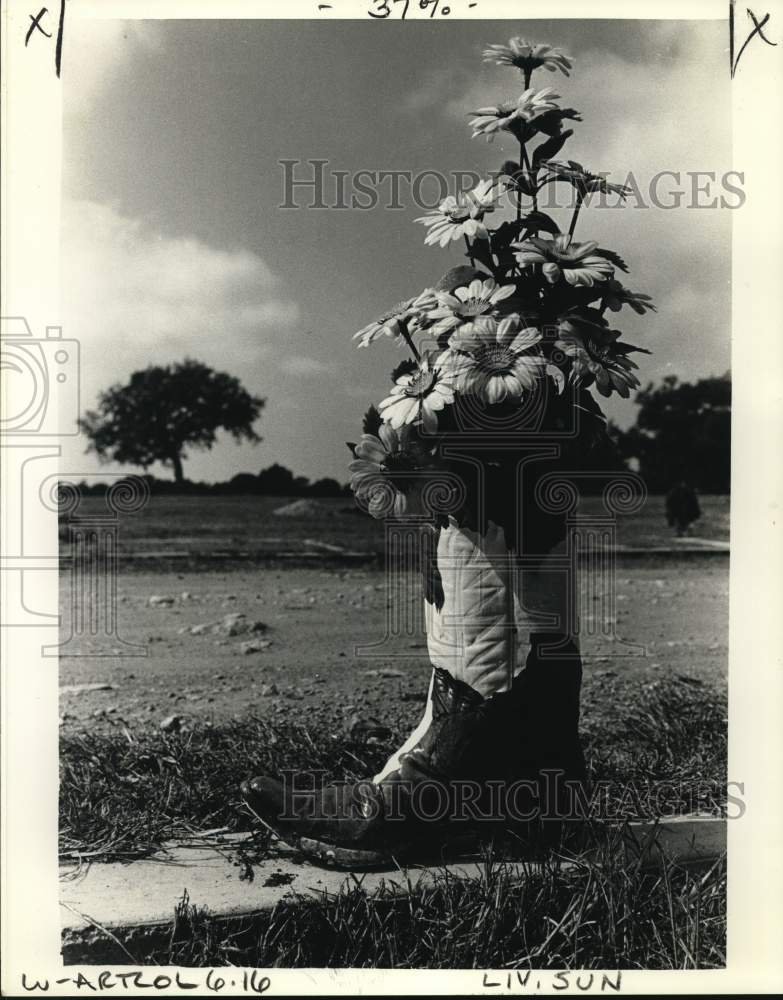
(489, 120)
(377, 458)
(528, 106)
(585, 181)
(596, 356)
(562, 257)
(419, 396)
(409, 311)
(463, 215)
(466, 303)
(527, 56)
(495, 360)
(533, 103)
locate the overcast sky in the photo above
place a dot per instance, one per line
(174, 243)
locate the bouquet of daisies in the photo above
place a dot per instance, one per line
(520, 328)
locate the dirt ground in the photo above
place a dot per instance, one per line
(306, 625)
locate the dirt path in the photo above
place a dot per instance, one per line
(306, 662)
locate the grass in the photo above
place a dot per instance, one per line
(124, 795)
(658, 748)
(601, 916)
(247, 523)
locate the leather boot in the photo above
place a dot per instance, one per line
(483, 767)
(437, 791)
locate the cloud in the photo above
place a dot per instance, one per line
(96, 50)
(666, 111)
(301, 365)
(137, 296)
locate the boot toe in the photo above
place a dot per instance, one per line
(265, 797)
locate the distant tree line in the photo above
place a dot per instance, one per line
(274, 481)
(682, 433)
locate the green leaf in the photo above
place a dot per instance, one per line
(457, 276)
(613, 258)
(405, 367)
(372, 421)
(540, 220)
(550, 148)
(510, 168)
(622, 348)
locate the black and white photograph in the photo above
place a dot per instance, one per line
(390, 435)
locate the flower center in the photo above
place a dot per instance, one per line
(459, 213)
(420, 384)
(496, 359)
(474, 307)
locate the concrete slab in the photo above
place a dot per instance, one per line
(108, 909)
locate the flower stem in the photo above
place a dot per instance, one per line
(494, 265)
(470, 250)
(409, 339)
(531, 179)
(572, 227)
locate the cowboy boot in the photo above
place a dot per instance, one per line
(433, 792)
(482, 731)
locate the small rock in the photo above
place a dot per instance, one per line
(267, 690)
(294, 694)
(237, 624)
(255, 646)
(186, 596)
(171, 724)
(160, 601)
(85, 688)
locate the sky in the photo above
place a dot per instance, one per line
(174, 243)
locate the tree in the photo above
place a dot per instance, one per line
(326, 487)
(162, 410)
(278, 481)
(683, 432)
